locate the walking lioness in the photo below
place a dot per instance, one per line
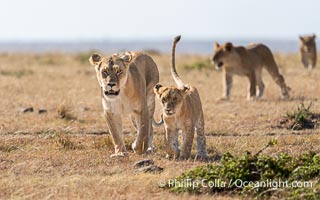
(247, 61)
(308, 51)
(182, 110)
(127, 83)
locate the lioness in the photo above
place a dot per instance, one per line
(127, 83)
(247, 61)
(308, 51)
(182, 110)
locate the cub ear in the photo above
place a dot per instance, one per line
(127, 57)
(157, 87)
(216, 45)
(229, 46)
(95, 59)
(185, 88)
(314, 36)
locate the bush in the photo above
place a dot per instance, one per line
(301, 118)
(264, 175)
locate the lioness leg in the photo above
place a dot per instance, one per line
(188, 136)
(259, 83)
(140, 145)
(151, 107)
(304, 62)
(310, 67)
(252, 87)
(201, 141)
(171, 143)
(134, 121)
(273, 70)
(114, 124)
(227, 85)
(279, 80)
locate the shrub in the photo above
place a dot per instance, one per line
(267, 175)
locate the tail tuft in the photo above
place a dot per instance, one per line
(177, 38)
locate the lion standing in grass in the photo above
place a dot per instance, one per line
(247, 61)
(127, 83)
(182, 110)
(308, 51)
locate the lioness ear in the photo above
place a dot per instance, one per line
(314, 36)
(229, 46)
(127, 57)
(95, 59)
(301, 38)
(216, 45)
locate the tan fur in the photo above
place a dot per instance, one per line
(127, 83)
(308, 51)
(247, 61)
(182, 111)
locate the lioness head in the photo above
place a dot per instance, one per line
(223, 55)
(308, 43)
(111, 72)
(171, 98)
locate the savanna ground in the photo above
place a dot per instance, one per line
(44, 156)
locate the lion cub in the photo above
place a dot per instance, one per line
(182, 111)
(308, 51)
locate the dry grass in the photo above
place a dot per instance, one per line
(46, 157)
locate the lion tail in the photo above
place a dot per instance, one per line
(174, 72)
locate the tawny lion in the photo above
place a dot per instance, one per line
(182, 111)
(247, 61)
(308, 51)
(127, 83)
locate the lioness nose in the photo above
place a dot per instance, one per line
(111, 84)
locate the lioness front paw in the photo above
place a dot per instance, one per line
(252, 98)
(202, 157)
(150, 150)
(119, 155)
(136, 149)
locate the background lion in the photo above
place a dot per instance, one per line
(247, 61)
(308, 51)
(127, 87)
(182, 110)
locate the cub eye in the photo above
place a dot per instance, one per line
(104, 74)
(119, 72)
(174, 99)
(163, 100)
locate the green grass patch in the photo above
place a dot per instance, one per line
(300, 118)
(17, 73)
(198, 65)
(259, 176)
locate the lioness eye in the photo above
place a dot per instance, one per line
(104, 74)
(163, 100)
(119, 72)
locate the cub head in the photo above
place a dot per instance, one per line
(111, 73)
(171, 98)
(308, 42)
(223, 55)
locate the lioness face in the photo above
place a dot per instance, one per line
(308, 43)
(223, 55)
(171, 98)
(111, 74)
